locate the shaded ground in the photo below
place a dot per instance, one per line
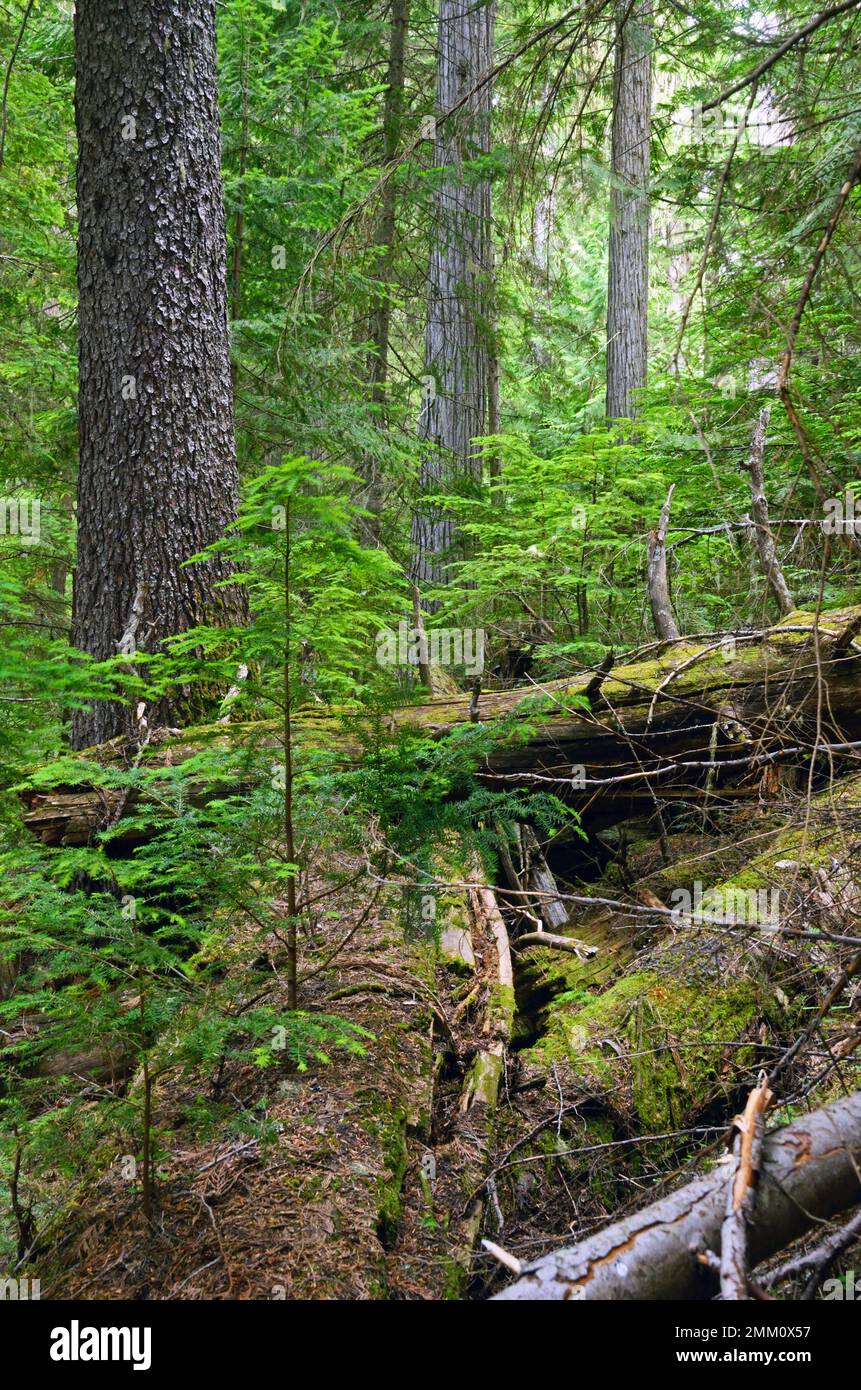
(623, 1073)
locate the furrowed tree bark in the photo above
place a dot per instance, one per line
(457, 343)
(378, 362)
(628, 267)
(157, 479)
(810, 1172)
(763, 535)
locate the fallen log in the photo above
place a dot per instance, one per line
(701, 721)
(474, 1124)
(811, 1170)
(572, 944)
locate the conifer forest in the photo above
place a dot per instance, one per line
(430, 671)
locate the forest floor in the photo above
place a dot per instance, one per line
(622, 1074)
(336, 1203)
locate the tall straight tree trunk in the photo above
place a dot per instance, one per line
(459, 327)
(239, 222)
(378, 363)
(628, 276)
(157, 479)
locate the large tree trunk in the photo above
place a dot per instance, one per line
(378, 363)
(628, 275)
(810, 1173)
(157, 478)
(457, 347)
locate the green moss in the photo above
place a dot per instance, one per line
(685, 1026)
(499, 1011)
(391, 1130)
(655, 1041)
(455, 1279)
(670, 1038)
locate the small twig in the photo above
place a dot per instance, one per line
(5, 113)
(509, 1261)
(817, 1262)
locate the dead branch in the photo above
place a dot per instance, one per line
(557, 943)
(809, 28)
(811, 1169)
(659, 587)
(762, 532)
(741, 1192)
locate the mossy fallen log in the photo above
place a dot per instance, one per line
(670, 1021)
(702, 720)
(632, 1060)
(475, 1121)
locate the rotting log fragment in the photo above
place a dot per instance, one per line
(742, 1191)
(536, 873)
(475, 1124)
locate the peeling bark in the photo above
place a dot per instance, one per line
(811, 1170)
(741, 1192)
(537, 876)
(474, 1128)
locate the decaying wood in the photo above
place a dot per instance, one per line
(659, 584)
(503, 1256)
(741, 1192)
(811, 1170)
(593, 689)
(480, 1094)
(763, 536)
(653, 739)
(455, 947)
(482, 1082)
(536, 874)
(582, 949)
